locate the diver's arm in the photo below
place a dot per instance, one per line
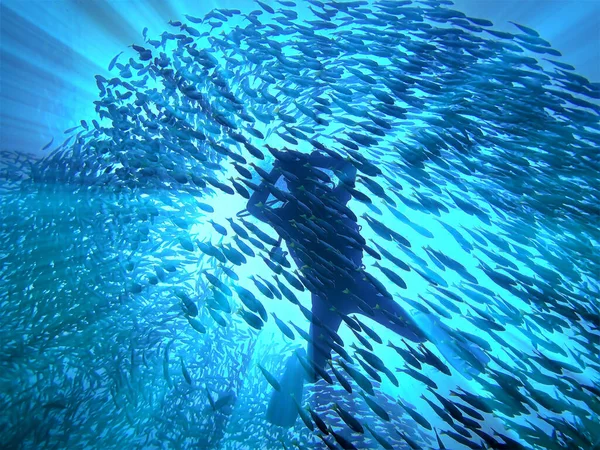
(318, 159)
(277, 248)
(343, 168)
(347, 174)
(256, 202)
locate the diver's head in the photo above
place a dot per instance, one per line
(286, 155)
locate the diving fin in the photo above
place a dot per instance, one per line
(443, 341)
(282, 411)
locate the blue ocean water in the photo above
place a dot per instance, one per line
(143, 308)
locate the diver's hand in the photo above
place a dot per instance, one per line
(277, 252)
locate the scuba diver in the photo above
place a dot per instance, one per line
(323, 238)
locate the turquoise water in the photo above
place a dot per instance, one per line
(124, 251)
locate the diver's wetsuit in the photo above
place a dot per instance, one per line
(327, 246)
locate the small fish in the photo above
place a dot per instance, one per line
(344, 443)
(305, 417)
(392, 276)
(48, 144)
(360, 379)
(217, 317)
(527, 30)
(185, 372)
(350, 420)
(376, 408)
(196, 325)
(229, 272)
(415, 415)
(270, 378)
(193, 19)
(380, 439)
(113, 61)
(70, 130)
(318, 421)
(188, 306)
(283, 327)
(347, 386)
(186, 243)
(218, 228)
(411, 443)
(166, 364)
(251, 319)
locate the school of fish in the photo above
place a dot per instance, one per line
(127, 322)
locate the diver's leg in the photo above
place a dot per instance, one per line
(389, 313)
(417, 328)
(282, 409)
(328, 318)
(440, 335)
(320, 345)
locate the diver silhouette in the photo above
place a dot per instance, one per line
(323, 238)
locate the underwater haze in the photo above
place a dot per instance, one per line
(300, 224)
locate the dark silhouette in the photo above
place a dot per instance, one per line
(325, 243)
